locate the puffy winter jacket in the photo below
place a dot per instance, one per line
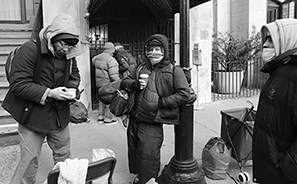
(167, 84)
(106, 68)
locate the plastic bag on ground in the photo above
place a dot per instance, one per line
(216, 157)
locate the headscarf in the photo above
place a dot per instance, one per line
(283, 34)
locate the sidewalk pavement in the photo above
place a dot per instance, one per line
(87, 136)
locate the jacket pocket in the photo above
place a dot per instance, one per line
(19, 108)
(27, 113)
(288, 167)
(168, 116)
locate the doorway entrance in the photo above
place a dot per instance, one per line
(129, 23)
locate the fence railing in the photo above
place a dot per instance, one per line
(238, 83)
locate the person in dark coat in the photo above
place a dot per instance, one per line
(127, 66)
(127, 63)
(157, 102)
(275, 129)
(50, 114)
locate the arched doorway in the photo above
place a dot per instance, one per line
(129, 22)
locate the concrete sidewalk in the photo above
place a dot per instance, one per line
(88, 136)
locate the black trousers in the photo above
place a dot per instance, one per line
(144, 146)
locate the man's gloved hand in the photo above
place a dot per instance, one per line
(160, 104)
(77, 96)
(136, 85)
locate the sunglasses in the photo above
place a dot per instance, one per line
(64, 45)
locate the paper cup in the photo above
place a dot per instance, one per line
(72, 92)
(144, 77)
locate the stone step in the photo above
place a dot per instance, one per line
(3, 115)
(4, 84)
(9, 134)
(8, 129)
(2, 95)
(15, 40)
(16, 27)
(7, 47)
(3, 57)
(11, 36)
(15, 33)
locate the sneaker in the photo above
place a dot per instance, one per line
(100, 119)
(125, 121)
(135, 179)
(112, 122)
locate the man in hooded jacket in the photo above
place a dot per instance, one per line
(275, 130)
(49, 116)
(157, 102)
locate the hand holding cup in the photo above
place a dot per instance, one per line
(143, 80)
(71, 92)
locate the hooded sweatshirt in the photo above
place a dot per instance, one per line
(275, 129)
(47, 114)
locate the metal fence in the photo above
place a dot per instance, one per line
(238, 83)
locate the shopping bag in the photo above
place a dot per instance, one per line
(78, 112)
(216, 157)
(122, 103)
(108, 92)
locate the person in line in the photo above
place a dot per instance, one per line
(127, 66)
(127, 63)
(275, 129)
(107, 71)
(157, 101)
(49, 116)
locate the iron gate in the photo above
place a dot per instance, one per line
(244, 83)
(132, 35)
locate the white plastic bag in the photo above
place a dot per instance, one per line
(99, 154)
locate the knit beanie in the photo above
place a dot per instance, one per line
(69, 39)
(154, 42)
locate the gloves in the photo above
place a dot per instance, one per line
(77, 96)
(160, 104)
(136, 85)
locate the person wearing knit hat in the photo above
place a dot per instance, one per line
(160, 89)
(275, 133)
(49, 114)
(127, 66)
(107, 71)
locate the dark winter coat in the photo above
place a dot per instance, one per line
(127, 63)
(53, 115)
(167, 89)
(275, 130)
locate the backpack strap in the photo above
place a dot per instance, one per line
(39, 63)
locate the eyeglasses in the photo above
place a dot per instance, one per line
(64, 45)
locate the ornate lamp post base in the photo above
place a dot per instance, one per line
(178, 172)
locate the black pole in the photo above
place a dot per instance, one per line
(183, 167)
(295, 9)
